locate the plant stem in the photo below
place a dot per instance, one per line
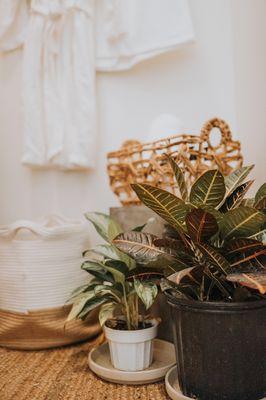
(127, 308)
(136, 311)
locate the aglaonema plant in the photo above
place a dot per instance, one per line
(118, 282)
(216, 236)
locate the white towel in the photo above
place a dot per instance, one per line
(128, 32)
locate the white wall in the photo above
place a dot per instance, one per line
(249, 42)
(199, 81)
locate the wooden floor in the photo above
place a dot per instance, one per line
(62, 374)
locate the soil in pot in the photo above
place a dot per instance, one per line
(220, 349)
(122, 325)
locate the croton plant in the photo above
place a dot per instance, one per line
(214, 248)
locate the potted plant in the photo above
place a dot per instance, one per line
(119, 284)
(217, 298)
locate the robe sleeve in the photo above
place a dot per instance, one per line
(14, 15)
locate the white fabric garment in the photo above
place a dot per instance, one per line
(14, 15)
(65, 42)
(128, 32)
(59, 84)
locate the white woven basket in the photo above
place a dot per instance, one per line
(40, 262)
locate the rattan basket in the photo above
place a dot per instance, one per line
(139, 162)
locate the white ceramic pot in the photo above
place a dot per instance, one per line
(131, 350)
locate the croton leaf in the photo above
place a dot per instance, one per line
(201, 225)
(209, 189)
(241, 245)
(260, 193)
(235, 198)
(145, 273)
(241, 222)
(246, 255)
(247, 202)
(189, 290)
(179, 176)
(260, 236)
(261, 204)
(233, 180)
(141, 247)
(254, 261)
(146, 291)
(175, 244)
(255, 280)
(214, 258)
(165, 204)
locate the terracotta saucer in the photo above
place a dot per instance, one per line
(172, 386)
(163, 359)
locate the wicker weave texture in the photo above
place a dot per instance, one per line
(146, 163)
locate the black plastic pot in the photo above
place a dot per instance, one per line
(220, 349)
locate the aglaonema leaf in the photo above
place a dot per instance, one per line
(201, 225)
(79, 304)
(103, 290)
(165, 204)
(98, 270)
(106, 312)
(105, 250)
(92, 304)
(83, 288)
(241, 222)
(118, 269)
(208, 189)
(101, 223)
(113, 230)
(146, 291)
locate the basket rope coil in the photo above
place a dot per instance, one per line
(139, 162)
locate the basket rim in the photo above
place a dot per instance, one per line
(131, 149)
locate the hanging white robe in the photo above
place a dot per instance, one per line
(59, 84)
(14, 15)
(65, 42)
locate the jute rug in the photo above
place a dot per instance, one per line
(62, 374)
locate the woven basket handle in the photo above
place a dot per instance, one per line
(226, 135)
